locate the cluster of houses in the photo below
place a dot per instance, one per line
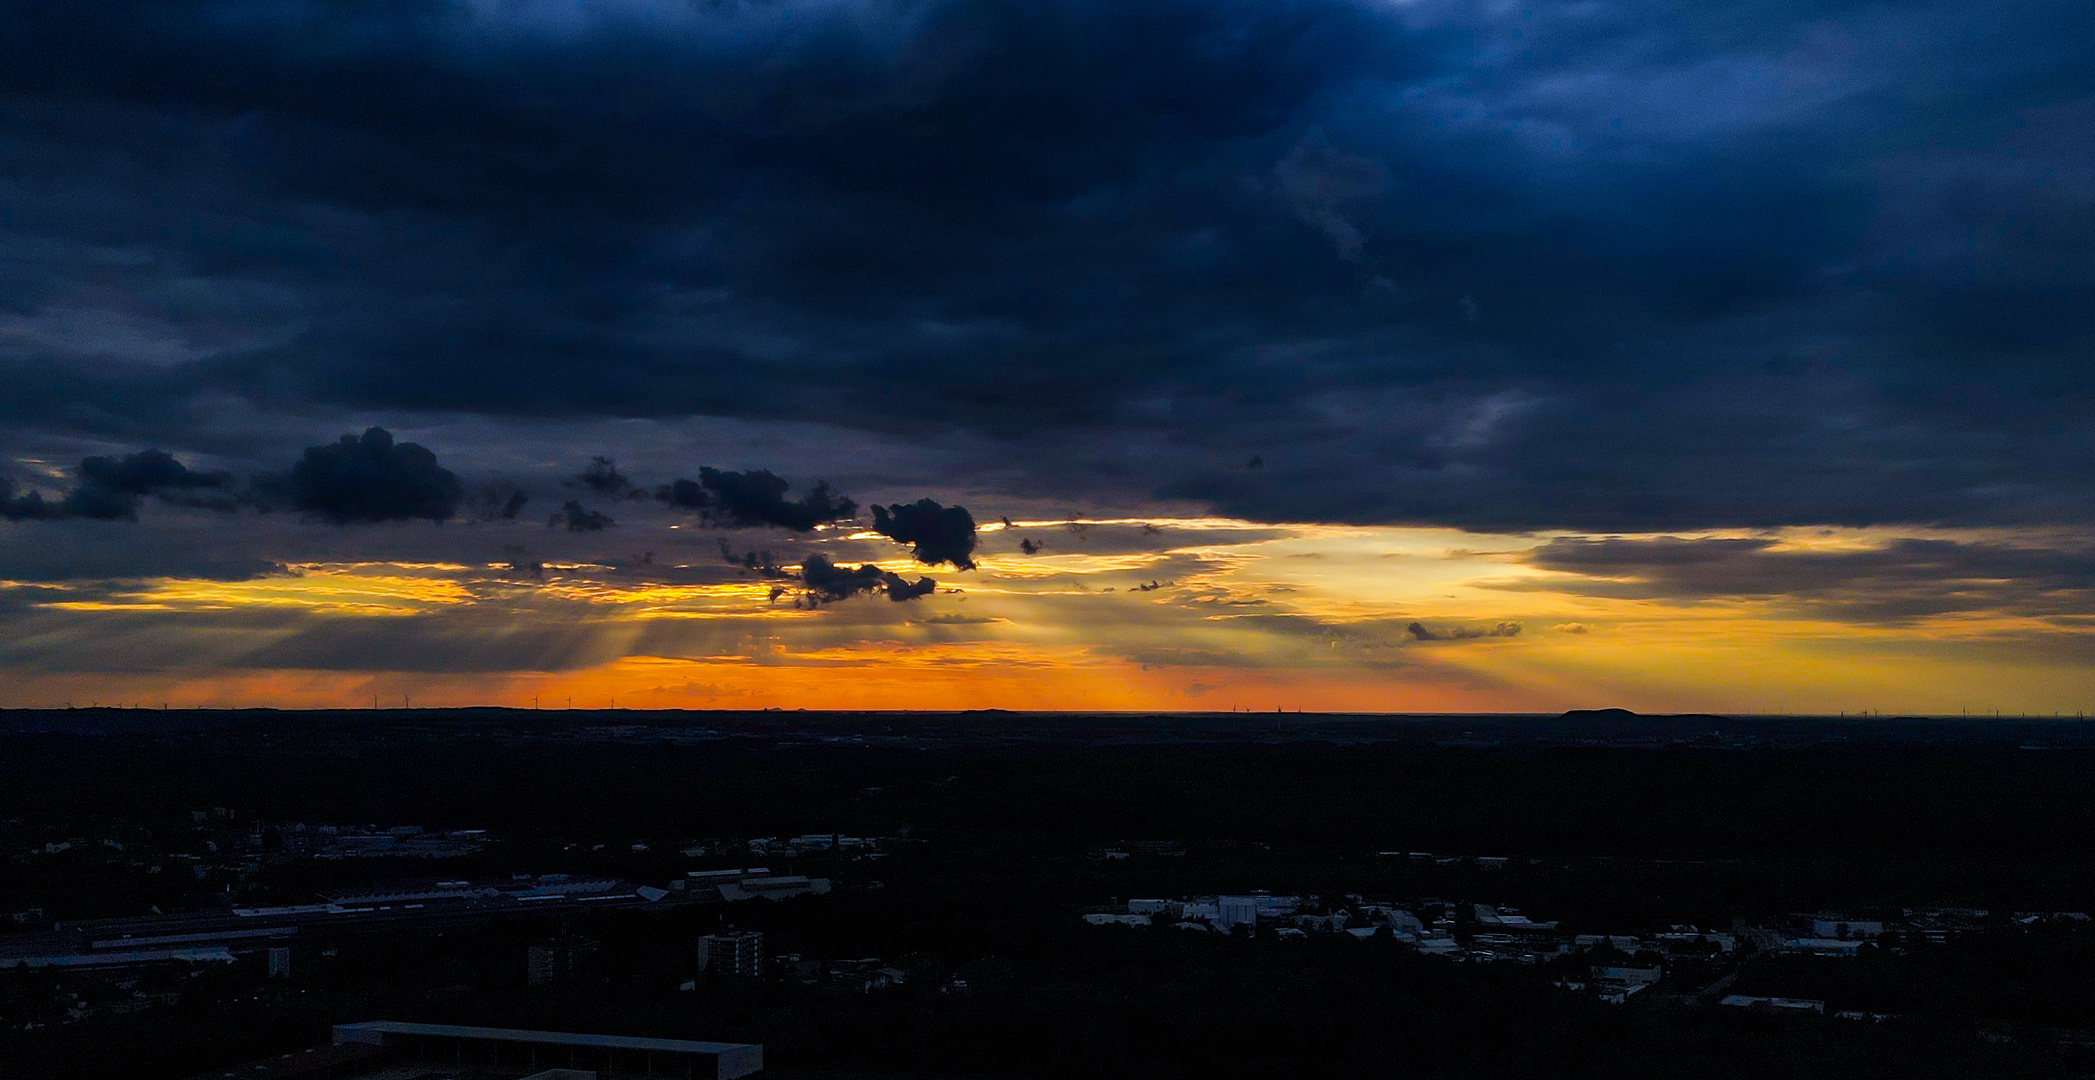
(1428, 926)
(803, 845)
(1622, 967)
(752, 883)
(743, 955)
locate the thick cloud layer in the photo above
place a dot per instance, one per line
(1900, 581)
(1623, 266)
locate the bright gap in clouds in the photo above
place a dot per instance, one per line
(1119, 614)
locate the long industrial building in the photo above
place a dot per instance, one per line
(215, 936)
(390, 1050)
(606, 1055)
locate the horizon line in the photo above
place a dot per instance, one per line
(994, 710)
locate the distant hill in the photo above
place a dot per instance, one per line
(1590, 716)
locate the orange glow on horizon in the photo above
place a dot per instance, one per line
(1198, 616)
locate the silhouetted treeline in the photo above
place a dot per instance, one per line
(1882, 799)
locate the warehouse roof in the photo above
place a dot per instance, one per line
(375, 1030)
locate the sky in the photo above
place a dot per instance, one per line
(1361, 355)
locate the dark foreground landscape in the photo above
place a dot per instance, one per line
(1019, 895)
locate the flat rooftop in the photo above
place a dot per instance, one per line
(301, 1063)
(375, 1030)
(712, 1060)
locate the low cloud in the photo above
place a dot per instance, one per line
(497, 500)
(578, 518)
(759, 563)
(1422, 632)
(521, 562)
(1329, 189)
(756, 498)
(111, 489)
(28, 506)
(1895, 582)
(684, 495)
(371, 479)
(88, 551)
(444, 643)
(939, 534)
(602, 477)
(826, 582)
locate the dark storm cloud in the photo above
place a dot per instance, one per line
(1901, 581)
(825, 582)
(1616, 267)
(755, 498)
(937, 534)
(370, 479)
